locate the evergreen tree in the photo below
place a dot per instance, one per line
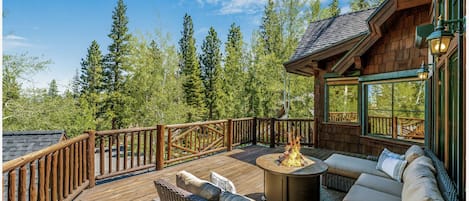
(91, 82)
(192, 84)
(91, 77)
(357, 5)
(210, 63)
(53, 89)
(315, 10)
(271, 30)
(334, 9)
(75, 85)
(116, 67)
(234, 76)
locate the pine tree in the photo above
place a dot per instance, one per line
(234, 76)
(210, 63)
(53, 90)
(271, 30)
(192, 84)
(116, 67)
(91, 82)
(91, 77)
(334, 9)
(357, 5)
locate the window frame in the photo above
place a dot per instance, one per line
(340, 81)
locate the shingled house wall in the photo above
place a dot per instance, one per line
(395, 51)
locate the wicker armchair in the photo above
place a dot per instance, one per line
(169, 192)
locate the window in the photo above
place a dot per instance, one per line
(342, 100)
(396, 109)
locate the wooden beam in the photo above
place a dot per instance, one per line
(359, 63)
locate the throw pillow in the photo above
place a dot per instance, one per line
(392, 164)
(197, 186)
(227, 196)
(412, 153)
(222, 182)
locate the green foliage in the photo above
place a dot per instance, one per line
(334, 9)
(116, 65)
(92, 82)
(53, 89)
(234, 75)
(210, 63)
(343, 98)
(192, 84)
(358, 5)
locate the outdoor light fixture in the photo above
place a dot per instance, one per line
(439, 40)
(423, 73)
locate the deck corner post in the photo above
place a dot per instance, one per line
(160, 147)
(272, 133)
(229, 142)
(254, 131)
(91, 149)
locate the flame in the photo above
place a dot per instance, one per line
(292, 156)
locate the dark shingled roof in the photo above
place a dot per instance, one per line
(326, 33)
(19, 143)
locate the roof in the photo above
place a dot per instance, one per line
(19, 143)
(329, 32)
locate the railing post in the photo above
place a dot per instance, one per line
(91, 148)
(160, 147)
(394, 128)
(254, 131)
(272, 132)
(316, 132)
(230, 135)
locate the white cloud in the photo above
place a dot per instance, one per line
(13, 41)
(241, 6)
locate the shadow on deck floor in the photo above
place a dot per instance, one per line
(238, 165)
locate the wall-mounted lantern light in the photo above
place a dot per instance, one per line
(439, 40)
(424, 72)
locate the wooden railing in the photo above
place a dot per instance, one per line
(186, 141)
(343, 117)
(63, 170)
(404, 127)
(58, 172)
(126, 150)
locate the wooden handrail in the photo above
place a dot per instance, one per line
(196, 124)
(127, 130)
(9, 165)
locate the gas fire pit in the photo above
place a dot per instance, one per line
(283, 183)
(290, 176)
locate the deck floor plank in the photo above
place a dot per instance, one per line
(237, 165)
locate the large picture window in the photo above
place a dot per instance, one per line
(342, 100)
(396, 109)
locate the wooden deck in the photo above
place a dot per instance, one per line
(237, 165)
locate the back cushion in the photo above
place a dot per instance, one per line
(420, 182)
(197, 186)
(412, 153)
(420, 167)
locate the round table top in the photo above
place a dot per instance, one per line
(313, 166)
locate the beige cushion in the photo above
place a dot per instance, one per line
(227, 196)
(197, 186)
(352, 166)
(222, 182)
(361, 193)
(422, 188)
(420, 167)
(382, 184)
(392, 164)
(412, 153)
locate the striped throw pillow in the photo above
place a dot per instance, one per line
(392, 164)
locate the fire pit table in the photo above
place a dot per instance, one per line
(283, 183)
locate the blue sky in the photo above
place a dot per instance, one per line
(63, 30)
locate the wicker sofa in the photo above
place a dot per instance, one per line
(359, 177)
(191, 188)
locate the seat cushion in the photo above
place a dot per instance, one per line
(361, 193)
(422, 188)
(382, 184)
(197, 186)
(412, 153)
(352, 166)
